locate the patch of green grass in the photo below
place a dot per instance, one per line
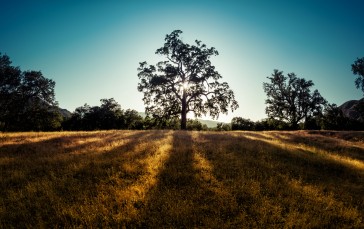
(181, 179)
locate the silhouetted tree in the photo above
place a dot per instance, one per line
(10, 81)
(312, 123)
(27, 99)
(78, 119)
(290, 98)
(239, 123)
(358, 69)
(109, 114)
(132, 120)
(270, 124)
(334, 118)
(185, 82)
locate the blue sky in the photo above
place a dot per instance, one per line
(91, 49)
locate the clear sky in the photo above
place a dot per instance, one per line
(92, 49)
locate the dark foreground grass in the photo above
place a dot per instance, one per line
(176, 179)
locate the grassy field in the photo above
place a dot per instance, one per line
(182, 179)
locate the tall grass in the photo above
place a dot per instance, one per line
(173, 179)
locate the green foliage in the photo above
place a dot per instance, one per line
(358, 69)
(290, 98)
(223, 126)
(194, 124)
(185, 82)
(27, 100)
(239, 123)
(151, 123)
(271, 124)
(132, 120)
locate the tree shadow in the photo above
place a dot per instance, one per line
(181, 199)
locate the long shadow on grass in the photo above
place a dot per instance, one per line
(261, 176)
(180, 199)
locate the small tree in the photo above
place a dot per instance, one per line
(109, 113)
(132, 120)
(223, 126)
(358, 69)
(290, 98)
(185, 82)
(239, 123)
(334, 119)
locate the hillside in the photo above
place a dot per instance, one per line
(350, 109)
(209, 123)
(181, 179)
(65, 113)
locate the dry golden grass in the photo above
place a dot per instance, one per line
(174, 179)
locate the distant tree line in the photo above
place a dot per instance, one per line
(110, 116)
(333, 119)
(105, 117)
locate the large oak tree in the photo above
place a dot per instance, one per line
(185, 81)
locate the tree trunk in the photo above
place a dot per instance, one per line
(184, 111)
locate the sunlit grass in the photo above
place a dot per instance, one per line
(173, 179)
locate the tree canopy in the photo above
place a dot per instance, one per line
(358, 69)
(185, 82)
(27, 99)
(290, 98)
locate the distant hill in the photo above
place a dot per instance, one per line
(65, 113)
(209, 123)
(349, 109)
